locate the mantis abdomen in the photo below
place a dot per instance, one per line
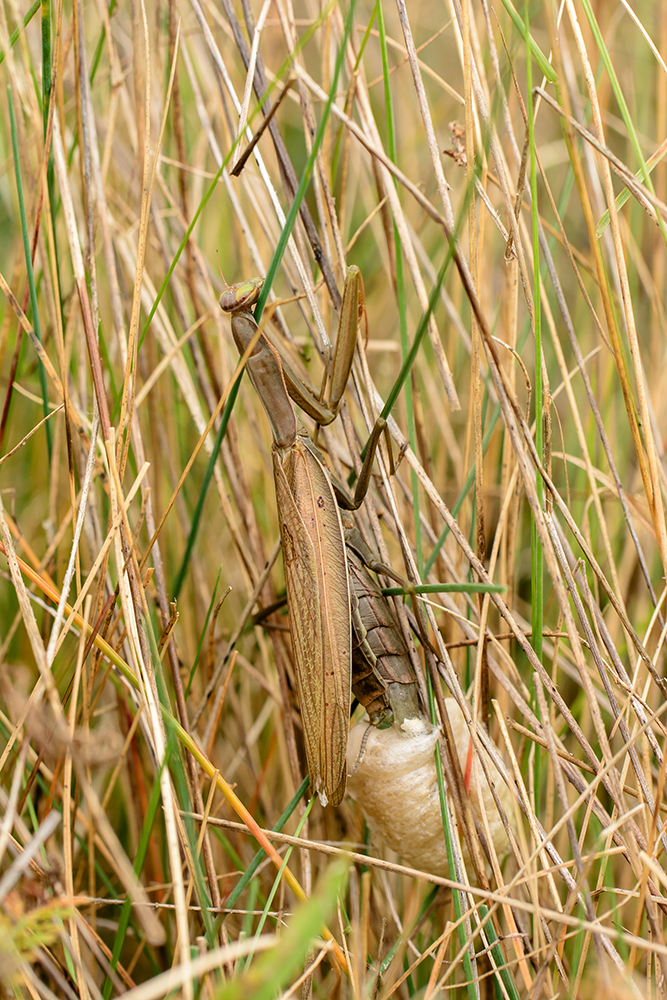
(383, 678)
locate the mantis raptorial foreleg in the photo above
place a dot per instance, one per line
(313, 541)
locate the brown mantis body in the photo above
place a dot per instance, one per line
(330, 594)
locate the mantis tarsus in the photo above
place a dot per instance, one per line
(314, 547)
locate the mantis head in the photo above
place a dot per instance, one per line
(242, 295)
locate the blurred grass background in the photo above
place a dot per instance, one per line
(545, 347)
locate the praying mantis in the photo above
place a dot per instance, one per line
(343, 631)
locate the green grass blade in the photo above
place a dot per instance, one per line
(537, 53)
(15, 35)
(46, 59)
(446, 588)
(498, 959)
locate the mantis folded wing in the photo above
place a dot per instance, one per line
(318, 598)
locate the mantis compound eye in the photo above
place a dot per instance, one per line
(242, 295)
